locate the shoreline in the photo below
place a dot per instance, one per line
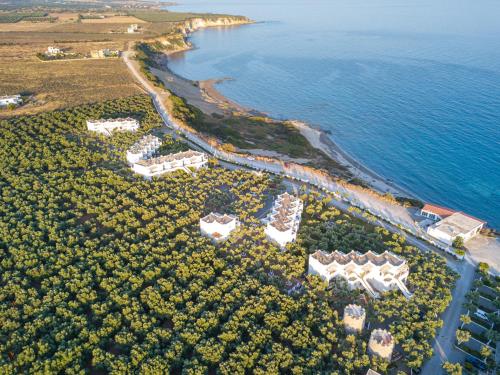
(210, 99)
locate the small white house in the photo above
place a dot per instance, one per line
(51, 51)
(133, 28)
(218, 227)
(456, 225)
(381, 344)
(284, 219)
(450, 224)
(143, 149)
(107, 126)
(370, 271)
(169, 163)
(10, 100)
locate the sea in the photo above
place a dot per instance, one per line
(409, 88)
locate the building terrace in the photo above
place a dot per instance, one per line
(169, 163)
(107, 126)
(218, 226)
(370, 271)
(143, 149)
(284, 219)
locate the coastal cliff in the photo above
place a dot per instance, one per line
(194, 24)
(177, 41)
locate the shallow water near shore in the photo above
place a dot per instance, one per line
(409, 88)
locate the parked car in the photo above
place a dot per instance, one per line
(481, 314)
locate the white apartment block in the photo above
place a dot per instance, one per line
(107, 126)
(169, 163)
(218, 227)
(10, 99)
(284, 220)
(370, 271)
(143, 149)
(53, 51)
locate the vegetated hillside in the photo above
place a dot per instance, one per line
(105, 272)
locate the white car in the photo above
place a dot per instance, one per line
(481, 314)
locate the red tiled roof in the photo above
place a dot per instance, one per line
(438, 210)
(445, 212)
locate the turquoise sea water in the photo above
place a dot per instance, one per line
(409, 88)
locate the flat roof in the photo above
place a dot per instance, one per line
(458, 223)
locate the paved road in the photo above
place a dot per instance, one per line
(443, 345)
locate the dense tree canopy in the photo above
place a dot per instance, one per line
(103, 271)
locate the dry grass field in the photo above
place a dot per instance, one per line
(114, 19)
(57, 84)
(61, 84)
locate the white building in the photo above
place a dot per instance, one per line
(164, 164)
(217, 226)
(284, 219)
(10, 99)
(451, 224)
(354, 318)
(51, 51)
(107, 126)
(143, 149)
(370, 271)
(381, 344)
(133, 28)
(456, 225)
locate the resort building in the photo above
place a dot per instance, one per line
(133, 28)
(381, 344)
(370, 271)
(51, 51)
(354, 318)
(143, 149)
(10, 100)
(450, 224)
(372, 372)
(284, 220)
(169, 163)
(218, 227)
(107, 126)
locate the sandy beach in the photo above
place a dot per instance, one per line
(205, 96)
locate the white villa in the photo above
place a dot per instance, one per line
(370, 271)
(284, 220)
(143, 149)
(51, 51)
(381, 344)
(449, 224)
(107, 126)
(133, 28)
(169, 163)
(10, 99)
(354, 318)
(217, 226)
